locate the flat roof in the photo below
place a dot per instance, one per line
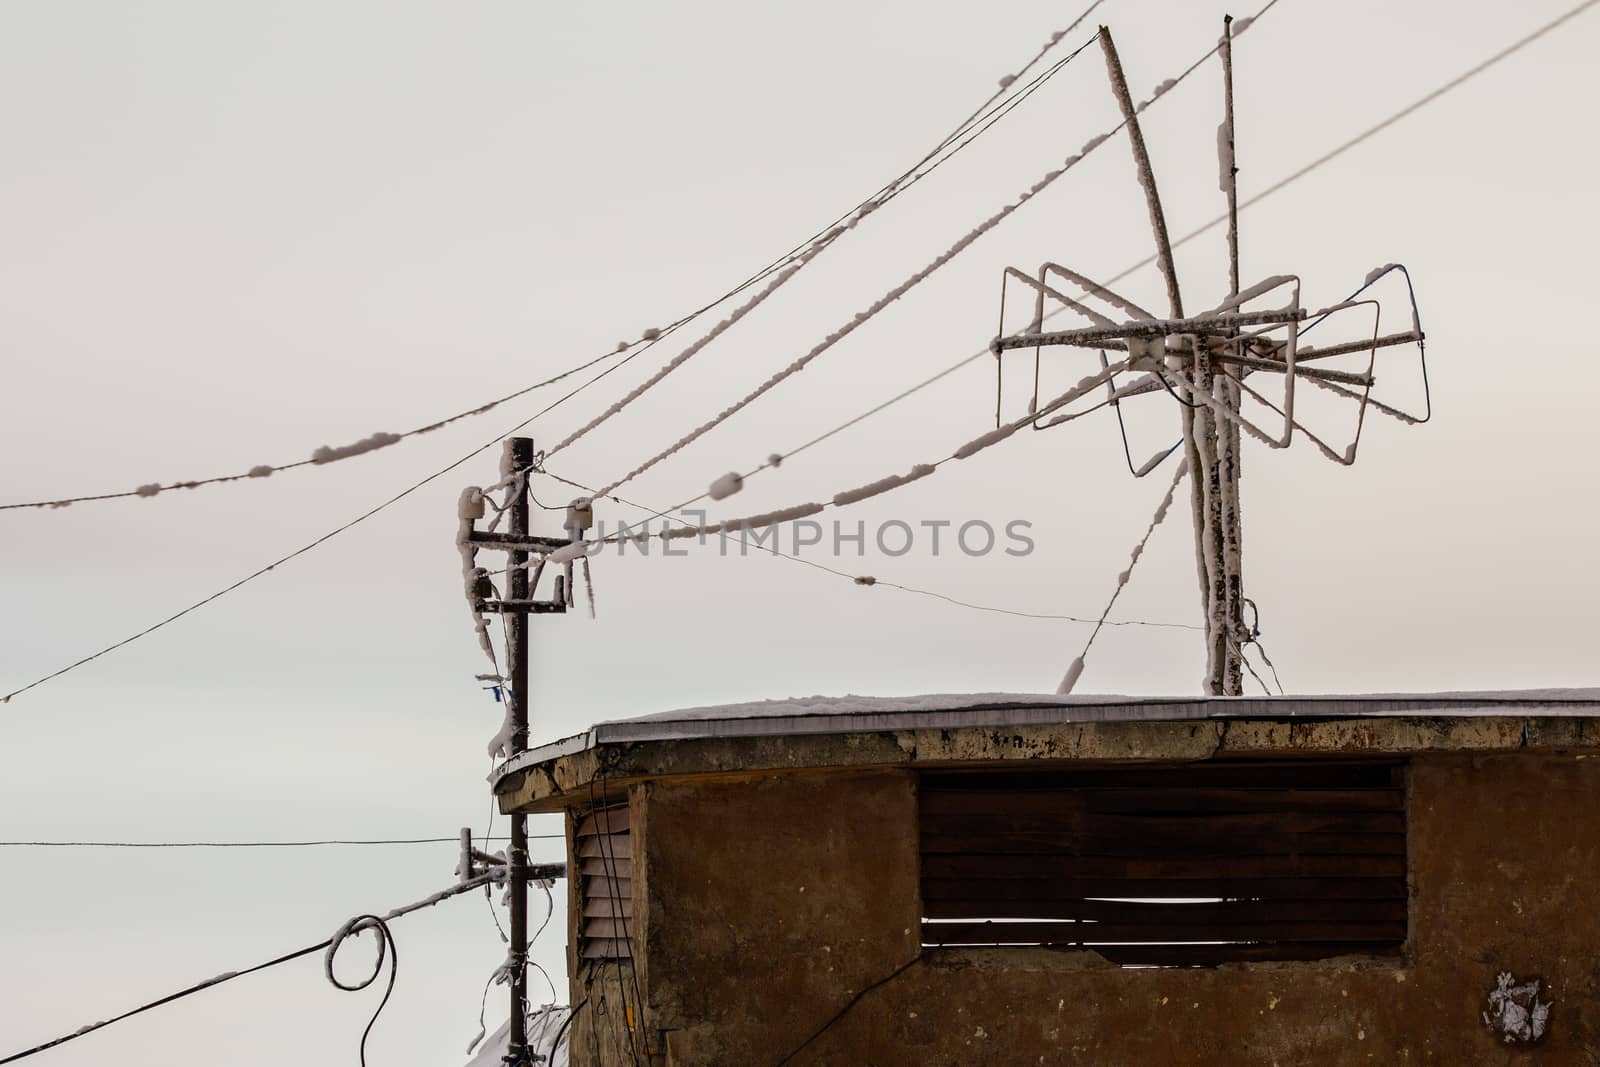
(805, 716)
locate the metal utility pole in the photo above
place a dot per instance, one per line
(519, 460)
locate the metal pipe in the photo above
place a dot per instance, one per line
(1205, 324)
(1278, 367)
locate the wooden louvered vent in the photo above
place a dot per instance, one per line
(1189, 865)
(605, 866)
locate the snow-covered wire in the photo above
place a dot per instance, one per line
(228, 976)
(1075, 670)
(321, 456)
(1282, 183)
(848, 497)
(843, 226)
(921, 275)
(784, 266)
(1375, 129)
(872, 581)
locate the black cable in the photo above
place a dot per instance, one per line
(209, 983)
(254, 844)
(562, 1029)
(387, 949)
(851, 1003)
(608, 861)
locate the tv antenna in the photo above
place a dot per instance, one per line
(1206, 364)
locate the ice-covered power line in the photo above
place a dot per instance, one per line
(1075, 669)
(972, 128)
(1372, 131)
(917, 278)
(874, 582)
(784, 268)
(1405, 112)
(362, 922)
(322, 455)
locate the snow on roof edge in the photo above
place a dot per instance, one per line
(862, 714)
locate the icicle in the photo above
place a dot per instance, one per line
(568, 552)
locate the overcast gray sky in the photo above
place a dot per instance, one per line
(234, 232)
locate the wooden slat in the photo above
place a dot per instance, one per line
(606, 868)
(937, 888)
(613, 907)
(608, 949)
(605, 929)
(1167, 915)
(604, 851)
(1306, 853)
(601, 888)
(1177, 801)
(606, 846)
(606, 820)
(1037, 933)
(1165, 844)
(986, 867)
(1077, 819)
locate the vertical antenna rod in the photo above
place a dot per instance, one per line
(1197, 423)
(1232, 555)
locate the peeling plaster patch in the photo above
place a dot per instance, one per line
(1515, 1011)
(1273, 1000)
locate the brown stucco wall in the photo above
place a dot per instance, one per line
(776, 900)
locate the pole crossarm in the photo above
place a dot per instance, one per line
(524, 607)
(515, 542)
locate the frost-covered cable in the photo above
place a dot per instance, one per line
(843, 226)
(847, 497)
(1075, 670)
(987, 115)
(228, 976)
(870, 581)
(914, 280)
(321, 456)
(1371, 131)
